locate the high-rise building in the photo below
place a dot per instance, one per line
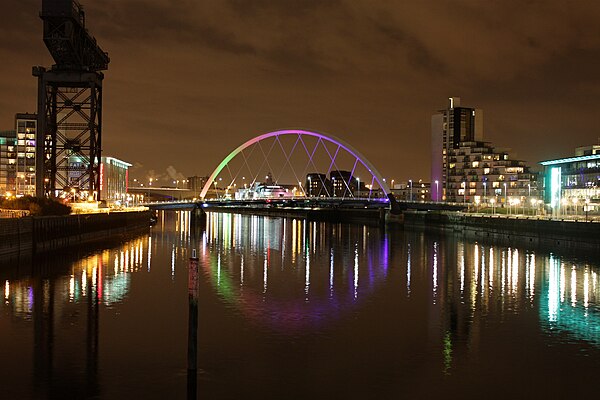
(26, 128)
(449, 128)
(8, 161)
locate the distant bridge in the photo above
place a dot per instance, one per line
(328, 176)
(318, 165)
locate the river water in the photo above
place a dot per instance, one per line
(295, 310)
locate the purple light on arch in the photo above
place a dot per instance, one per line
(330, 138)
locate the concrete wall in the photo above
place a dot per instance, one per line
(559, 234)
(40, 234)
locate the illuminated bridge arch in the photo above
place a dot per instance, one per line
(332, 147)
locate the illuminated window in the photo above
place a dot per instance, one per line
(486, 171)
(495, 184)
(475, 164)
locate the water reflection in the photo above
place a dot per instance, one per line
(396, 301)
(570, 303)
(86, 276)
(63, 304)
(501, 282)
(292, 274)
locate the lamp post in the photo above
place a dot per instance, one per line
(484, 192)
(22, 186)
(529, 195)
(333, 185)
(358, 184)
(505, 197)
(465, 192)
(587, 208)
(437, 191)
(410, 183)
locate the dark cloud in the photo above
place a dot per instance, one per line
(189, 79)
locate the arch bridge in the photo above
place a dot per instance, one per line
(294, 164)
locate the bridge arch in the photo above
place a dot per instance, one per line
(300, 132)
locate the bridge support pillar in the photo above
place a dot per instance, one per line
(198, 218)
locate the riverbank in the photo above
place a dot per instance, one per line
(534, 231)
(35, 235)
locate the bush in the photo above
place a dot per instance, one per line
(36, 206)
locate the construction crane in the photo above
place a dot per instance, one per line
(69, 131)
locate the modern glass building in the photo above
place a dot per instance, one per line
(572, 185)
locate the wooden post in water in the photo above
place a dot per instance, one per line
(192, 359)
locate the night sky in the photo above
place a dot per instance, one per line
(190, 80)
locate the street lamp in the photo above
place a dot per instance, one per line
(587, 208)
(505, 194)
(358, 183)
(484, 192)
(437, 191)
(493, 201)
(410, 183)
(22, 190)
(465, 192)
(333, 184)
(533, 205)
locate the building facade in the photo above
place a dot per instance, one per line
(26, 128)
(418, 191)
(449, 128)
(317, 185)
(479, 173)
(339, 184)
(8, 162)
(572, 184)
(114, 180)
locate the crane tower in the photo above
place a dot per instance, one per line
(69, 134)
